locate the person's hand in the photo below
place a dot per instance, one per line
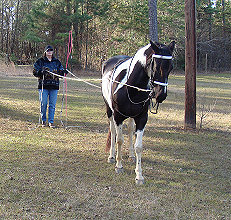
(45, 71)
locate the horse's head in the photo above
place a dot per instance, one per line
(159, 65)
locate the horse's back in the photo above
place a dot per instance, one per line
(111, 63)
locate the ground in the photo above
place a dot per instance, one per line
(63, 173)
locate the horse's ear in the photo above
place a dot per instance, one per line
(155, 46)
(171, 46)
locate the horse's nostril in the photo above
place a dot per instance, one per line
(161, 97)
(159, 100)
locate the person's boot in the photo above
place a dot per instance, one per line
(51, 125)
(43, 124)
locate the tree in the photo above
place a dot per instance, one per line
(153, 30)
(103, 28)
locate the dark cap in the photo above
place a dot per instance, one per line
(48, 48)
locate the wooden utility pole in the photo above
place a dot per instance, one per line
(190, 64)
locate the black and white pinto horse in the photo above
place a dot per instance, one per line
(128, 85)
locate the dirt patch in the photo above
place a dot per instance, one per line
(10, 69)
(7, 67)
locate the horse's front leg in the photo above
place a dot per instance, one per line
(119, 141)
(130, 139)
(140, 124)
(111, 158)
(138, 150)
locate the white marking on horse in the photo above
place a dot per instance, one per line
(119, 141)
(138, 149)
(111, 157)
(120, 68)
(106, 88)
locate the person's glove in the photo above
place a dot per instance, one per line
(45, 71)
(37, 73)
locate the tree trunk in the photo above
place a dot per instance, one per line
(15, 30)
(7, 31)
(2, 29)
(153, 31)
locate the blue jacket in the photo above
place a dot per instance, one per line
(46, 79)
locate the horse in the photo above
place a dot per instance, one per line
(128, 86)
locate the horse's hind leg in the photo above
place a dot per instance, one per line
(119, 141)
(130, 139)
(111, 158)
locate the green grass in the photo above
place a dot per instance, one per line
(63, 173)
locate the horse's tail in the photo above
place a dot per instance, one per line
(108, 144)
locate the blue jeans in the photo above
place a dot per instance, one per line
(43, 97)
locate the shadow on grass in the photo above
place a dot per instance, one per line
(16, 114)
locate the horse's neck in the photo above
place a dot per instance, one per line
(137, 75)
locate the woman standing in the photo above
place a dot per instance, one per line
(48, 84)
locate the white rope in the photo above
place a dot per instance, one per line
(134, 87)
(77, 79)
(85, 81)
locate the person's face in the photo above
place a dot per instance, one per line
(49, 52)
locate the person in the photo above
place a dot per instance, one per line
(48, 84)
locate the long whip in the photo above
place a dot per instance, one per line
(41, 100)
(69, 50)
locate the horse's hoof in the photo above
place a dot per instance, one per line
(119, 170)
(111, 160)
(139, 182)
(132, 159)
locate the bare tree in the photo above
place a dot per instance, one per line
(205, 110)
(2, 25)
(15, 31)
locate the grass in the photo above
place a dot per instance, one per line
(63, 173)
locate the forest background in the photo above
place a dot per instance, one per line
(103, 28)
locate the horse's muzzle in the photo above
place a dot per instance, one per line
(161, 96)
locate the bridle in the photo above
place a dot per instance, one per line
(151, 70)
(152, 93)
(154, 82)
